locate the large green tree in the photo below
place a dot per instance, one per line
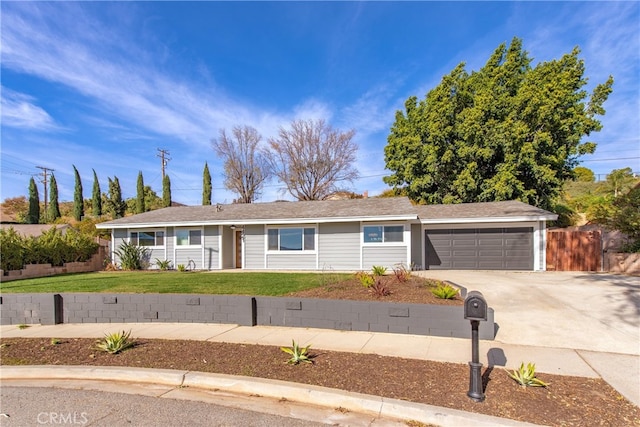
(140, 205)
(96, 197)
(166, 191)
(115, 205)
(33, 215)
(54, 206)
(509, 131)
(78, 199)
(206, 185)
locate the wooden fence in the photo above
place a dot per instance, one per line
(574, 250)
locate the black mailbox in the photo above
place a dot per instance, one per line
(475, 306)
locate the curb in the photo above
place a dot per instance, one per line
(300, 393)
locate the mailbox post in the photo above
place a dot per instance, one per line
(475, 309)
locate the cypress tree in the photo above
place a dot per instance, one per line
(206, 186)
(96, 198)
(78, 200)
(54, 207)
(116, 205)
(33, 216)
(140, 194)
(166, 192)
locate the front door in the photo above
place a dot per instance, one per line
(238, 248)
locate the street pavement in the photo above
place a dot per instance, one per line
(576, 324)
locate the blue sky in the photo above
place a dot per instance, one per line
(103, 85)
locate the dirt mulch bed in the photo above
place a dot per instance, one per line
(568, 401)
(414, 290)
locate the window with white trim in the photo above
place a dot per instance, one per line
(188, 237)
(383, 233)
(291, 239)
(147, 238)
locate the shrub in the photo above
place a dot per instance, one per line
(379, 289)
(52, 247)
(13, 249)
(401, 272)
(298, 354)
(378, 270)
(132, 257)
(526, 377)
(116, 342)
(163, 264)
(365, 279)
(444, 291)
(181, 267)
(631, 247)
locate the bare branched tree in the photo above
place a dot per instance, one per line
(245, 167)
(312, 159)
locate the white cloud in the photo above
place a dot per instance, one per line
(19, 111)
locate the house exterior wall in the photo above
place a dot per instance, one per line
(118, 237)
(416, 247)
(211, 248)
(339, 246)
(254, 251)
(386, 256)
(291, 261)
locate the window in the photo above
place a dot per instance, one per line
(188, 237)
(147, 238)
(291, 239)
(383, 233)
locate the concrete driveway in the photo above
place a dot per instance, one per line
(584, 311)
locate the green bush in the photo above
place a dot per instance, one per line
(631, 247)
(52, 247)
(378, 270)
(133, 257)
(13, 249)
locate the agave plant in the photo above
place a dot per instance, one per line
(298, 354)
(116, 342)
(444, 291)
(526, 377)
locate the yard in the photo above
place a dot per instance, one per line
(162, 282)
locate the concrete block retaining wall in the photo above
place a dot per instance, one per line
(419, 319)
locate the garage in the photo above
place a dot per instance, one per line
(479, 249)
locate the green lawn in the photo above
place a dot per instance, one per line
(174, 282)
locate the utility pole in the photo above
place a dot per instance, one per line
(164, 155)
(45, 171)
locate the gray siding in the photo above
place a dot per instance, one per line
(254, 239)
(416, 246)
(211, 248)
(292, 261)
(119, 237)
(186, 255)
(169, 243)
(387, 256)
(339, 246)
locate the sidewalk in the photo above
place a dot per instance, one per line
(560, 361)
